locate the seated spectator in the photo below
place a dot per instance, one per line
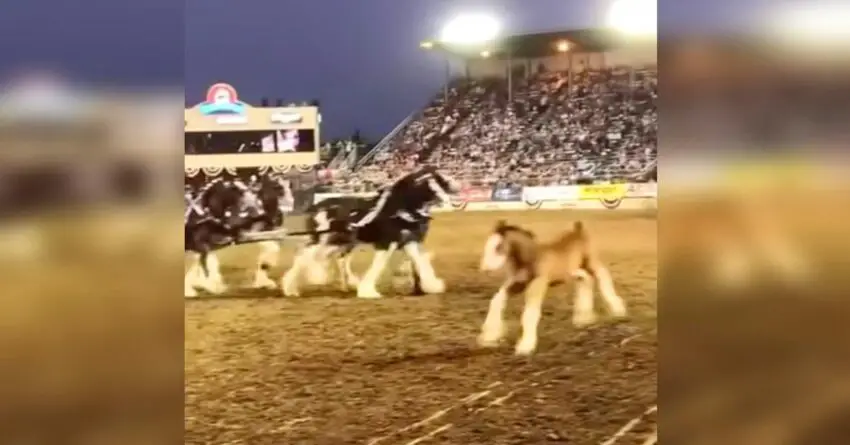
(595, 125)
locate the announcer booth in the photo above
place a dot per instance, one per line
(226, 136)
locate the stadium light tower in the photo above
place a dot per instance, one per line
(469, 32)
(638, 18)
(812, 27)
(470, 29)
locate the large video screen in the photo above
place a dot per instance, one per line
(254, 142)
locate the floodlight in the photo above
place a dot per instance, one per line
(822, 22)
(470, 29)
(634, 17)
(485, 54)
(426, 45)
(563, 46)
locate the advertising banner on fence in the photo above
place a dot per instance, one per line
(602, 191)
(553, 193)
(475, 194)
(610, 195)
(471, 195)
(507, 193)
(643, 190)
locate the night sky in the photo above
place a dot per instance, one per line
(360, 58)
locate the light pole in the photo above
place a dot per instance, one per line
(637, 21)
(465, 32)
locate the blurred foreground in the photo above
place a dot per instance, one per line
(753, 289)
(90, 335)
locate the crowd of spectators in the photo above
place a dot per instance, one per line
(554, 128)
(330, 150)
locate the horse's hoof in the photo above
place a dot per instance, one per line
(584, 320)
(264, 284)
(289, 290)
(525, 347)
(488, 341)
(437, 286)
(368, 294)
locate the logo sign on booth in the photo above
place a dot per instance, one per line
(223, 100)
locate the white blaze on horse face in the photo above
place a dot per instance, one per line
(492, 259)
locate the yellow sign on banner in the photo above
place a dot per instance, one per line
(603, 191)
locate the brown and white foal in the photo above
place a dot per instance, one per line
(533, 267)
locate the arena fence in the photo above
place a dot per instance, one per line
(635, 196)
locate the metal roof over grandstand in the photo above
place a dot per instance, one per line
(537, 45)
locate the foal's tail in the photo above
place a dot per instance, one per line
(578, 228)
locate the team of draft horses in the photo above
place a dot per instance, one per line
(228, 211)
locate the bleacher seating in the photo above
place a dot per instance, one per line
(556, 129)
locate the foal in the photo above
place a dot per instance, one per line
(533, 267)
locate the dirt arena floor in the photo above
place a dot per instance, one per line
(328, 368)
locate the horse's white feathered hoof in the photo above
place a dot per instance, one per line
(317, 275)
(214, 286)
(368, 292)
(262, 281)
(490, 338)
(582, 319)
(348, 286)
(433, 286)
(217, 288)
(353, 281)
(289, 286)
(619, 309)
(525, 346)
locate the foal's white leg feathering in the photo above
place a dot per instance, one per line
(606, 287)
(493, 328)
(583, 313)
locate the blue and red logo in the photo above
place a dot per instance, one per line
(222, 99)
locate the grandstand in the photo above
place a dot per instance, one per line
(537, 109)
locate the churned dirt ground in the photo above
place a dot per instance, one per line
(328, 368)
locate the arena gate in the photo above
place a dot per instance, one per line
(226, 136)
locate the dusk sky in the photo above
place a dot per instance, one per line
(360, 58)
